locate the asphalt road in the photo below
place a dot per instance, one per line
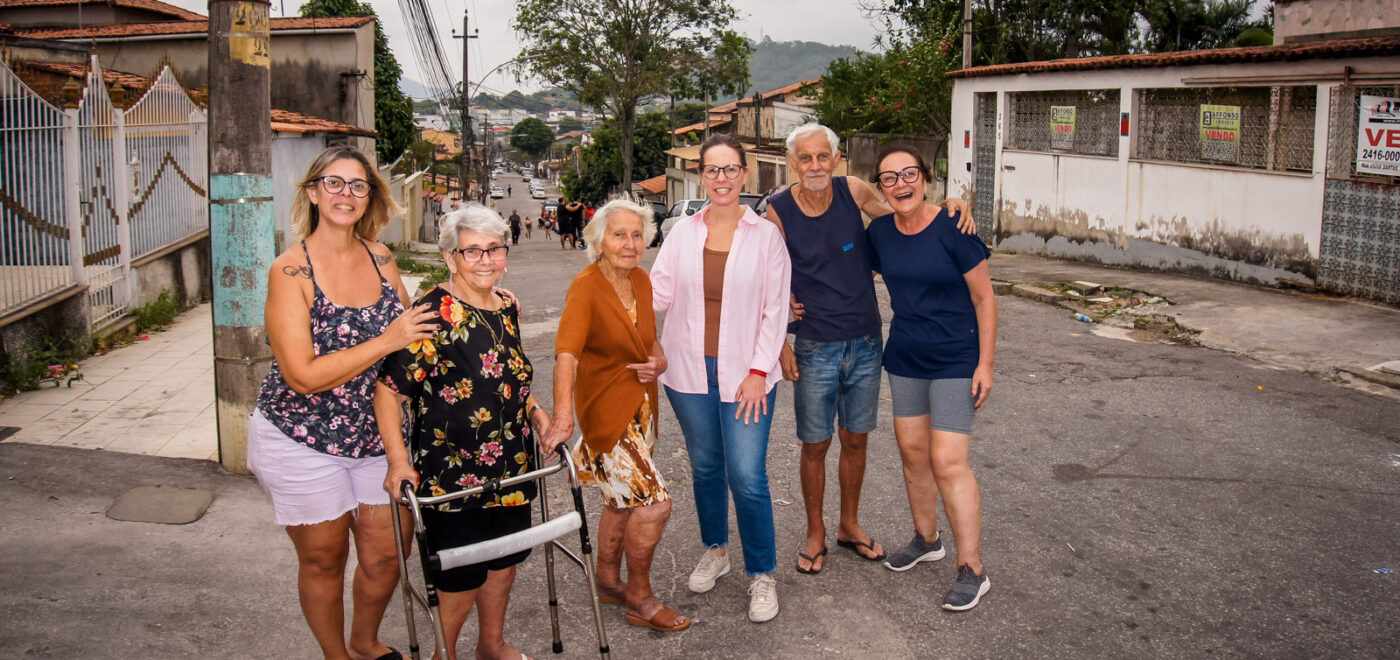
(1139, 500)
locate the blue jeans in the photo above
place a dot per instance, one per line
(727, 453)
(836, 380)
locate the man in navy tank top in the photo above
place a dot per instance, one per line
(834, 360)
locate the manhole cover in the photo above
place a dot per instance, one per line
(161, 504)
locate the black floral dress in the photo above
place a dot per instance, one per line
(468, 389)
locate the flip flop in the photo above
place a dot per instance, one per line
(391, 655)
(666, 614)
(812, 560)
(855, 546)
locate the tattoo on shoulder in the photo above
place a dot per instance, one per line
(297, 271)
(383, 259)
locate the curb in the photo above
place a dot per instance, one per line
(1377, 377)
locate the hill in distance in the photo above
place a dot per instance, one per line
(773, 64)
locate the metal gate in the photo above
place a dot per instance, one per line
(166, 144)
(984, 147)
(1360, 248)
(106, 250)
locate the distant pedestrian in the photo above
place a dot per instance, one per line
(570, 222)
(939, 358)
(527, 225)
(508, 191)
(515, 228)
(335, 309)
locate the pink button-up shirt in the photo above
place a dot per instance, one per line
(753, 312)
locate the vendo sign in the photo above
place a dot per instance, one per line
(1378, 136)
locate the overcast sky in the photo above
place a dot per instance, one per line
(835, 22)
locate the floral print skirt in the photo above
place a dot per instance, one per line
(625, 475)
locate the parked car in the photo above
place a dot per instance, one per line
(497, 192)
(537, 193)
(688, 207)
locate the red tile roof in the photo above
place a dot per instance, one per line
(1308, 50)
(785, 89)
(170, 10)
(655, 185)
(185, 27)
(295, 122)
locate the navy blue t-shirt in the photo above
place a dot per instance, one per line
(934, 331)
(830, 267)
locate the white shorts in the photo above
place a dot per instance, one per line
(307, 486)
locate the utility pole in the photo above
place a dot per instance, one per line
(967, 34)
(468, 141)
(240, 213)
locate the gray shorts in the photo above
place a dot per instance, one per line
(947, 401)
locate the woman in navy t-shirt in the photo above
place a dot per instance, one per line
(939, 359)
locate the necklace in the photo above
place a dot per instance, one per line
(480, 315)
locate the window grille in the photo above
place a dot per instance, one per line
(1274, 130)
(1089, 129)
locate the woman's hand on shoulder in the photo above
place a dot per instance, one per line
(415, 324)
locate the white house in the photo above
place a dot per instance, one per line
(1235, 162)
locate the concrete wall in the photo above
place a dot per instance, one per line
(93, 14)
(1303, 20)
(184, 271)
(1233, 222)
(327, 73)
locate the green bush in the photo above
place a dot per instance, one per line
(158, 313)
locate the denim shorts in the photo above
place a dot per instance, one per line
(836, 381)
(307, 486)
(947, 401)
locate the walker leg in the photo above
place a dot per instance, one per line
(405, 594)
(558, 646)
(587, 555)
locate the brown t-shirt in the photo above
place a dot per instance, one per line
(714, 295)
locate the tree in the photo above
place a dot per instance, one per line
(600, 167)
(721, 70)
(616, 54)
(689, 113)
(567, 124)
(420, 155)
(532, 137)
(393, 112)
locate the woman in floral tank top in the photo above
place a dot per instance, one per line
(335, 308)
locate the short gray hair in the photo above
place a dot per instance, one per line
(471, 217)
(593, 232)
(809, 129)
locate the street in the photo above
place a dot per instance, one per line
(1139, 500)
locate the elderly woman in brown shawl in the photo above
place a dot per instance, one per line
(608, 358)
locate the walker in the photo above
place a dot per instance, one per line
(546, 533)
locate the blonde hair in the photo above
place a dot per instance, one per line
(594, 230)
(305, 218)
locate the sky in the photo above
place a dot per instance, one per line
(834, 22)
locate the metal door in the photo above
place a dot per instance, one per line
(984, 148)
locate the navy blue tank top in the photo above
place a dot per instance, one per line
(831, 274)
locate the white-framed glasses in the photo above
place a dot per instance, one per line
(909, 174)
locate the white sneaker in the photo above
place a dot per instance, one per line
(763, 598)
(712, 567)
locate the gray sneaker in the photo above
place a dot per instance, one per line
(918, 550)
(967, 591)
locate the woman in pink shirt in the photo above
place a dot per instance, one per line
(722, 279)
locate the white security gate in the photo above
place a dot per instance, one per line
(166, 150)
(35, 259)
(106, 246)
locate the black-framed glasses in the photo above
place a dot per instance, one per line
(888, 178)
(335, 184)
(713, 171)
(474, 254)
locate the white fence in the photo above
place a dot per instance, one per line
(125, 183)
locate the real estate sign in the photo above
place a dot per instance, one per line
(1220, 132)
(1378, 136)
(1062, 127)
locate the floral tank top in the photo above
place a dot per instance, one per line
(339, 421)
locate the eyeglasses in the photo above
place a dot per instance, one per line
(713, 171)
(335, 184)
(474, 254)
(909, 174)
